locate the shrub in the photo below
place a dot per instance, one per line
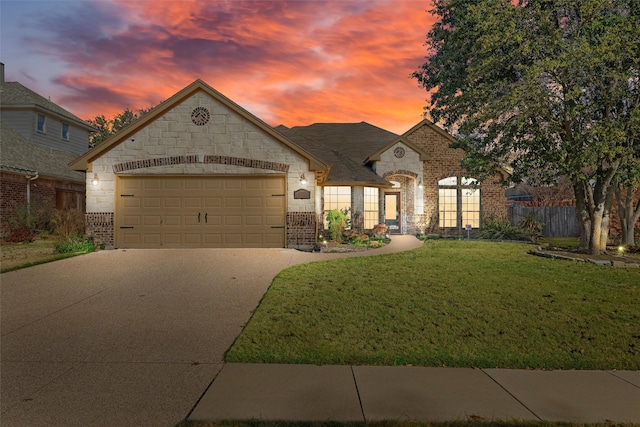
(73, 244)
(532, 226)
(500, 229)
(25, 221)
(67, 223)
(337, 221)
(69, 232)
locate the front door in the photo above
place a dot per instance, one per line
(392, 212)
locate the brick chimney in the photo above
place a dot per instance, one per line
(1, 73)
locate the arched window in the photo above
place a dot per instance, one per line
(458, 202)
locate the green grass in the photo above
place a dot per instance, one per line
(449, 303)
(16, 256)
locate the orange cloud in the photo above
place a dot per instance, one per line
(289, 62)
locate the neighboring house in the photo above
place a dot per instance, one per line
(38, 140)
(200, 171)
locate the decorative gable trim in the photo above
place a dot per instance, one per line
(194, 158)
(375, 157)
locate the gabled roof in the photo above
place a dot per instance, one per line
(376, 156)
(23, 156)
(13, 95)
(344, 146)
(82, 162)
(431, 125)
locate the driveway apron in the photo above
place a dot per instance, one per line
(129, 337)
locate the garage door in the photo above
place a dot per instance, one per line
(207, 212)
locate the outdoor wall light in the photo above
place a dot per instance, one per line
(95, 181)
(303, 179)
(420, 184)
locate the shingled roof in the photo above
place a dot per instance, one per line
(344, 146)
(23, 156)
(14, 95)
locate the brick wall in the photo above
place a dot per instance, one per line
(100, 226)
(444, 161)
(13, 194)
(302, 229)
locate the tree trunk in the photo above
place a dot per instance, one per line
(592, 209)
(629, 215)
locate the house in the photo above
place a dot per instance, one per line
(38, 139)
(200, 171)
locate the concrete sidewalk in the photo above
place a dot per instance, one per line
(374, 393)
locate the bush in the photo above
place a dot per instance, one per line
(532, 226)
(500, 229)
(69, 232)
(337, 221)
(26, 221)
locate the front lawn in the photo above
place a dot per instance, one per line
(449, 303)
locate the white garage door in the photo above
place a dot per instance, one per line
(208, 212)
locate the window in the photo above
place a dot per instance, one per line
(65, 131)
(336, 198)
(458, 204)
(41, 123)
(371, 202)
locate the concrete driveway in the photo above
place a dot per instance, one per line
(129, 337)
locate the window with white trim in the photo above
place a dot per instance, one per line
(335, 198)
(371, 206)
(458, 202)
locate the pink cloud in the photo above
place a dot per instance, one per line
(297, 62)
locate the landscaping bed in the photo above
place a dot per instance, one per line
(449, 303)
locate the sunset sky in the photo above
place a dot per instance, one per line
(288, 62)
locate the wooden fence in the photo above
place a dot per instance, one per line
(558, 221)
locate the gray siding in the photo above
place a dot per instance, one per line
(25, 123)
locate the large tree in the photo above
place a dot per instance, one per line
(549, 88)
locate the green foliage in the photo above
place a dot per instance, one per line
(107, 127)
(337, 222)
(500, 229)
(73, 244)
(547, 88)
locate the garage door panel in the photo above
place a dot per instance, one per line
(151, 202)
(151, 220)
(253, 220)
(212, 202)
(232, 220)
(213, 220)
(192, 202)
(232, 203)
(234, 211)
(131, 220)
(130, 202)
(172, 202)
(172, 220)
